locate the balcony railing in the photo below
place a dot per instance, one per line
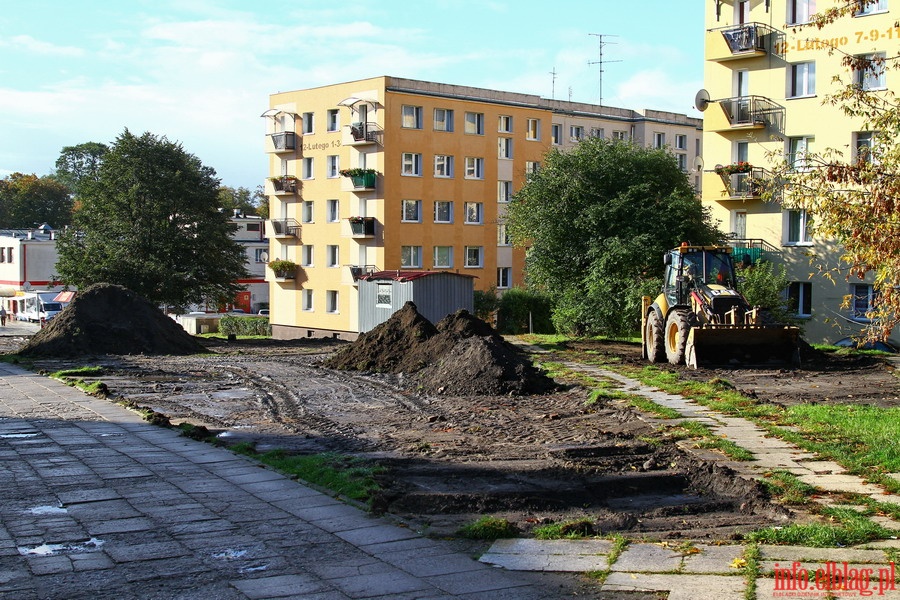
(362, 226)
(357, 271)
(285, 185)
(745, 39)
(363, 132)
(753, 248)
(749, 184)
(282, 228)
(753, 111)
(284, 141)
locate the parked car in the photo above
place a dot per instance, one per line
(263, 312)
(849, 342)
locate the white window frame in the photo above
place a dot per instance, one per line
(533, 130)
(443, 166)
(411, 117)
(474, 167)
(504, 191)
(532, 167)
(474, 123)
(449, 206)
(681, 141)
(505, 124)
(799, 11)
(307, 255)
(503, 235)
(504, 147)
(442, 252)
(261, 255)
(333, 120)
(308, 212)
(659, 139)
(800, 231)
(384, 294)
(416, 206)
(474, 257)
(474, 213)
(804, 297)
(443, 119)
(332, 302)
(798, 149)
(307, 302)
(307, 168)
(308, 123)
(874, 78)
(598, 132)
(682, 161)
(620, 135)
(872, 9)
(410, 257)
(332, 256)
(801, 80)
(863, 139)
(411, 164)
(332, 166)
(556, 134)
(332, 211)
(504, 278)
(576, 133)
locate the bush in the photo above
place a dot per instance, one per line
(763, 285)
(517, 305)
(258, 326)
(486, 302)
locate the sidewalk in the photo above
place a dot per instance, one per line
(95, 503)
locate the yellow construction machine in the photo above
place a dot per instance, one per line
(700, 318)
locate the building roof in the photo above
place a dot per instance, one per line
(404, 276)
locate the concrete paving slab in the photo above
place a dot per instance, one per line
(857, 555)
(712, 559)
(647, 558)
(679, 587)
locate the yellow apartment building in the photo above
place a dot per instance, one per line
(766, 76)
(403, 175)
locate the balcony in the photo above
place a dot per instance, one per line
(357, 271)
(362, 179)
(285, 141)
(362, 133)
(285, 228)
(743, 182)
(750, 40)
(754, 249)
(751, 112)
(362, 227)
(287, 184)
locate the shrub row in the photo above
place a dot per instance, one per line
(245, 326)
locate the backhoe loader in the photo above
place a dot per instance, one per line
(700, 319)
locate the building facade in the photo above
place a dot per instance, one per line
(398, 174)
(766, 75)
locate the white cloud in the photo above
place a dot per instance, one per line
(35, 46)
(656, 89)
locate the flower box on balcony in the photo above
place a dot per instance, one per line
(362, 226)
(361, 178)
(738, 167)
(286, 184)
(284, 269)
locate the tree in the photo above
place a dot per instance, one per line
(855, 199)
(80, 163)
(27, 201)
(241, 199)
(150, 221)
(763, 285)
(596, 221)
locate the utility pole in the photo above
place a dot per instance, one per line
(553, 87)
(601, 62)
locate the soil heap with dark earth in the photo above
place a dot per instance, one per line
(110, 319)
(460, 356)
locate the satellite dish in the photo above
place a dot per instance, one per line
(698, 164)
(26, 286)
(701, 100)
(264, 256)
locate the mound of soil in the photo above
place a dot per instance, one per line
(460, 356)
(110, 319)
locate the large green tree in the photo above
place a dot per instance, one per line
(243, 200)
(81, 163)
(27, 201)
(596, 221)
(150, 221)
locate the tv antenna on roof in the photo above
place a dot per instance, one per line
(601, 62)
(553, 88)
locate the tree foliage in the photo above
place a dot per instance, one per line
(523, 311)
(243, 200)
(763, 285)
(597, 220)
(854, 196)
(150, 221)
(27, 201)
(77, 164)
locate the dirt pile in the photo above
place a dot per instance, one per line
(110, 319)
(460, 356)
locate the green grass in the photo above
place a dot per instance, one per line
(74, 378)
(489, 528)
(347, 476)
(786, 488)
(651, 407)
(847, 528)
(705, 438)
(751, 569)
(569, 530)
(78, 372)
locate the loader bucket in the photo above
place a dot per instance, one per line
(742, 345)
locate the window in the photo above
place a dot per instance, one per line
(474, 213)
(412, 117)
(9, 254)
(504, 147)
(443, 165)
(333, 209)
(332, 120)
(383, 294)
(262, 255)
(799, 11)
(869, 7)
(306, 255)
(620, 135)
(252, 226)
(798, 222)
(307, 212)
(475, 123)
(331, 301)
(681, 142)
(412, 164)
(443, 119)
(534, 129)
(412, 211)
(802, 80)
(862, 301)
(474, 168)
(556, 134)
(504, 191)
(870, 74)
(333, 255)
(443, 257)
(799, 149)
(504, 277)
(862, 145)
(682, 162)
(411, 257)
(333, 165)
(307, 168)
(443, 211)
(597, 132)
(307, 299)
(502, 235)
(505, 124)
(531, 167)
(800, 295)
(741, 151)
(306, 122)
(659, 140)
(473, 256)
(576, 133)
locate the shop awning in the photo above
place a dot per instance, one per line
(64, 297)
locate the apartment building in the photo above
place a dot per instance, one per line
(766, 75)
(391, 174)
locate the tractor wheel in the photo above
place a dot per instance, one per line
(678, 326)
(654, 338)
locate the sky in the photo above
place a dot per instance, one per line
(200, 72)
